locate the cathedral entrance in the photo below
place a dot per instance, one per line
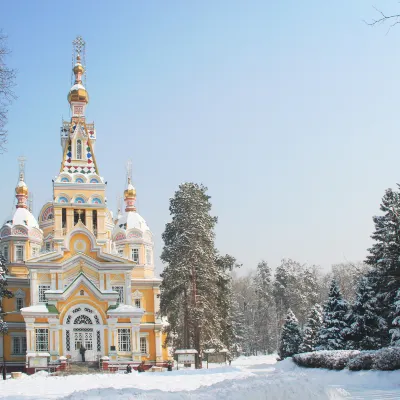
(83, 328)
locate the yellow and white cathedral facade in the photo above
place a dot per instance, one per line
(80, 277)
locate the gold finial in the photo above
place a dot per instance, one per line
(81, 264)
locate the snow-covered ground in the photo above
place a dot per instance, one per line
(249, 378)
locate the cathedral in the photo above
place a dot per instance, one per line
(81, 277)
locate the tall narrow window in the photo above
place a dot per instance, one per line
(79, 149)
(19, 301)
(135, 255)
(42, 290)
(95, 222)
(120, 290)
(64, 217)
(143, 345)
(42, 339)
(19, 345)
(19, 253)
(5, 252)
(124, 339)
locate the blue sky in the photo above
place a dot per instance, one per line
(288, 111)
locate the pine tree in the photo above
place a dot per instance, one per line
(395, 332)
(4, 293)
(225, 265)
(265, 317)
(334, 321)
(238, 329)
(311, 330)
(384, 258)
(365, 324)
(290, 336)
(189, 290)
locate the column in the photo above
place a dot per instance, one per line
(128, 288)
(34, 298)
(70, 219)
(101, 279)
(108, 284)
(53, 338)
(60, 281)
(89, 220)
(136, 354)
(30, 331)
(53, 281)
(157, 334)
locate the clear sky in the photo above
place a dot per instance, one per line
(288, 111)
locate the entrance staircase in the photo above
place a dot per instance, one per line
(81, 368)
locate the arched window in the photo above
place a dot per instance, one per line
(83, 319)
(79, 180)
(79, 149)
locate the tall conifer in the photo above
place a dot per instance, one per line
(189, 290)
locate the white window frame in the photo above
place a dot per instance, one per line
(41, 293)
(4, 252)
(121, 292)
(135, 252)
(138, 302)
(43, 344)
(18, 345)
(21, 305)
(124, 339)
(144, 344)
(19, 257)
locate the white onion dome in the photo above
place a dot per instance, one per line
(23, 216)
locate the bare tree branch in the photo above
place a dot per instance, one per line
(7, 95)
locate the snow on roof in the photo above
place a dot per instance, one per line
(23, 216)
(77, 86)
(125, 308)
(186, 351)
(38, 354)
(216, 351)
(39, 308)
(132, 219)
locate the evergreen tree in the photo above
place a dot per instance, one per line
(290, 336)
(189, 290)
(225, 265)
(265, 317)
(395, 332)
(334, 321)
(4, 293)
(365, 324)
(311, 330)
(238, 329)
(384, 258)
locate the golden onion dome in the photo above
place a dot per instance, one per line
(130, 191)
(78, 93)
(21, 188)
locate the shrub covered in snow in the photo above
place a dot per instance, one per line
(330, 359)
(364, 360)
(386, 359)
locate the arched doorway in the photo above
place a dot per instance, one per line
(83, 327)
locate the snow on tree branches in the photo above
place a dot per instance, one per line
(290, 336)
(4, 292)
(311, 330)
(334, 321)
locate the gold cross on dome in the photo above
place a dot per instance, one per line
(78, 43)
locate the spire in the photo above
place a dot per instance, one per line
(21, 190)
(78, 96)
(130, 197)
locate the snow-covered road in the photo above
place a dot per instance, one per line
(249, 378)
